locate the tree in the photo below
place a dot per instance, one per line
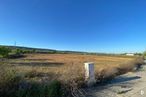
(34, 51)
(144, 53)
(4, 52)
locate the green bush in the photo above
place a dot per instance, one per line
(19, 51)
(8, 81)
(55, 89)
(144, 54)
(4, 52)
(40, 90)
(16, 53)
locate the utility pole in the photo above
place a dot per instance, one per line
(15, 43)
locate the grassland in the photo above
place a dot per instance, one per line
(68, 68)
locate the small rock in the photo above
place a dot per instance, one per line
(124, 90)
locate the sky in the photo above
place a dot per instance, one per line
(110, 26)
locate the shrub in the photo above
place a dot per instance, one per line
(12, 85)
(8, 81)
(17, 53)
(144, 54)
(4, 52)
(55, 89)
(35, 89)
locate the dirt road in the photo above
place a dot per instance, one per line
(132, 84)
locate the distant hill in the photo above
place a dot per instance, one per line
(52, 51)
(27, 48)
(40, 50)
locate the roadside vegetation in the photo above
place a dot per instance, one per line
(55, 75)
(12, 84)
(144, 54)
(4, 52)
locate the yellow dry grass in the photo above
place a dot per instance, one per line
(68, 66)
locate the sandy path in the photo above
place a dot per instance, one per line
(127, 85)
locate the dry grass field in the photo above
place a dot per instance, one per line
(21, 74)
(68, 66)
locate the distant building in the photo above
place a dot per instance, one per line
(130, 54)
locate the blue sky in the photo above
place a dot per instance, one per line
(111, 26)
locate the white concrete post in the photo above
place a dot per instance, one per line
(89, 73)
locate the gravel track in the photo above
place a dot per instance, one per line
(132, 84)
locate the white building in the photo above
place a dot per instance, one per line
(130, 54)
